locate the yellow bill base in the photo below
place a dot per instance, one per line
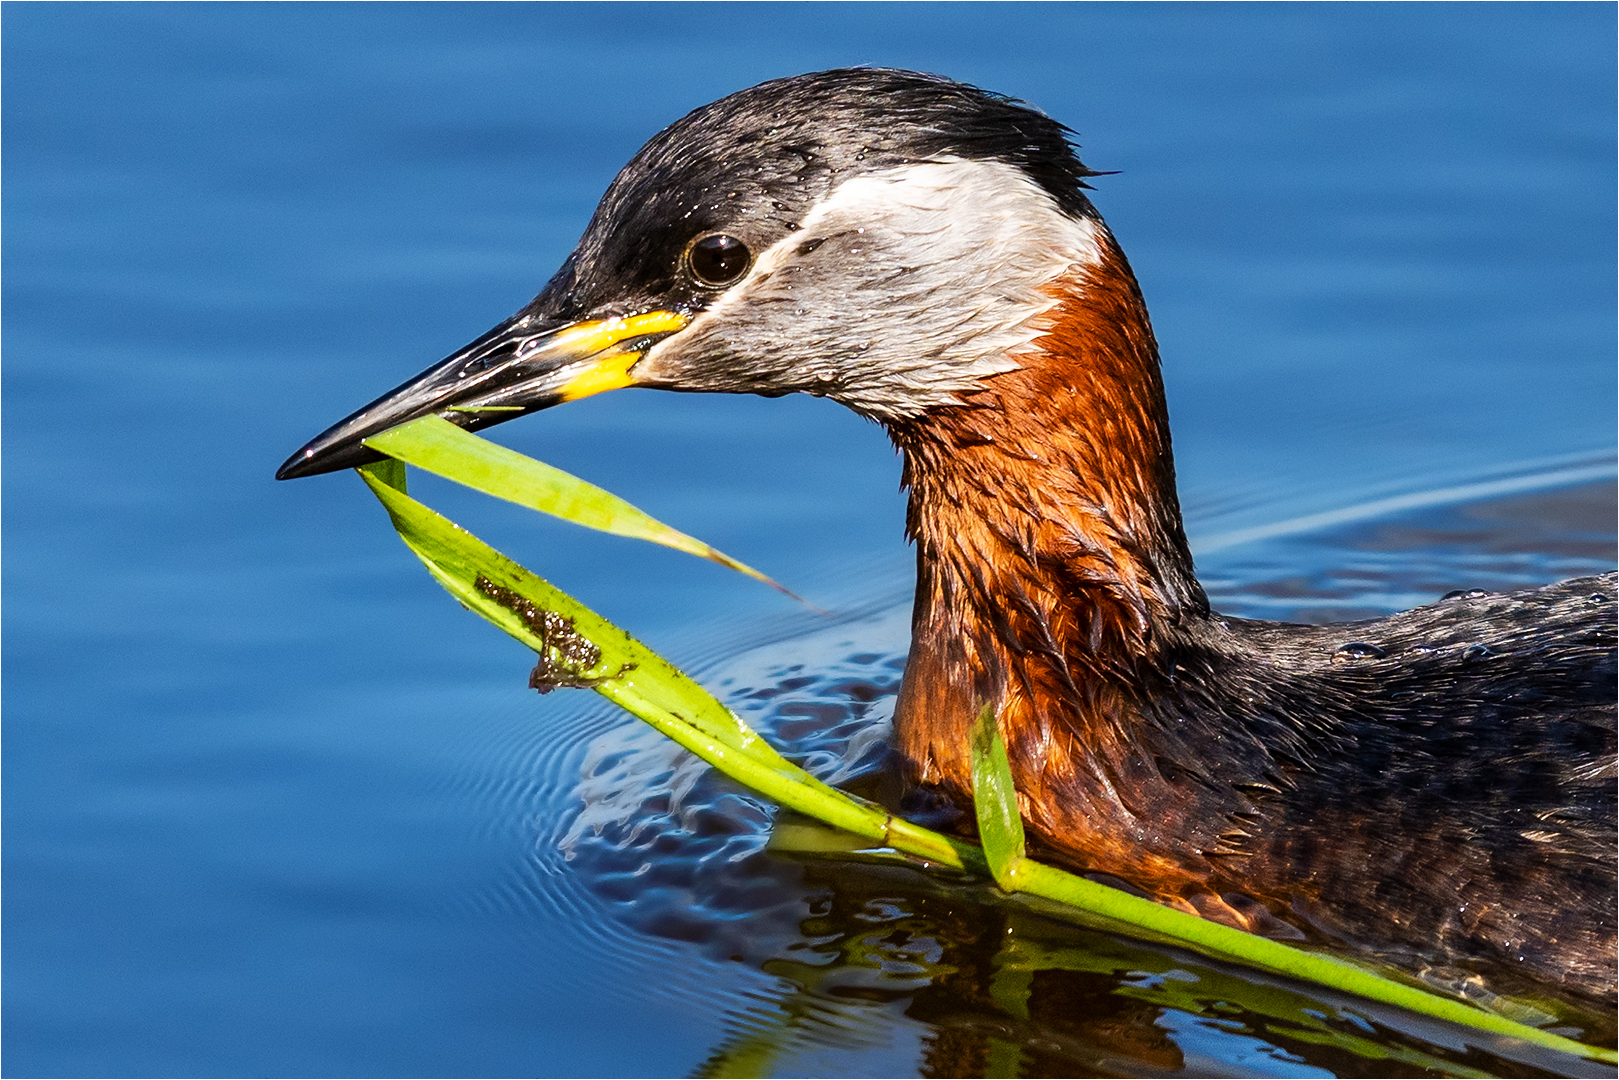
(612, 370)
(607, 373)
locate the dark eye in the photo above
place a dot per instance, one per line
(719, 260)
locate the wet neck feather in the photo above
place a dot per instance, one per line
(1053, 572)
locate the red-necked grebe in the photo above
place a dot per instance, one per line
(1439, 783)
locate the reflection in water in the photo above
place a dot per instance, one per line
(873, 959)
(1005, 992)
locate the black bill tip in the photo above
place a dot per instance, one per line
(310, 461)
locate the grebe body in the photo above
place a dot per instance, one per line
(1437, 787)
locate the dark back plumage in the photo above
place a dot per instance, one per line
(1453, 779)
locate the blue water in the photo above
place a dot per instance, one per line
(275, 806)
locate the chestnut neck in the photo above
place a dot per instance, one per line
(1048, 497)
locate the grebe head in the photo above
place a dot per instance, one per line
(883, 238)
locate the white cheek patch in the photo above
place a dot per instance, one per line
(900, 290)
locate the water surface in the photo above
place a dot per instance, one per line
(275, 805)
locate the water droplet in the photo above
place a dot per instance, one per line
(1464, 594)
(1357, 650)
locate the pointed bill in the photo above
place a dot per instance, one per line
(524, 364)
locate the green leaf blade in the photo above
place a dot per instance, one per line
(435, 445)
(995, 802)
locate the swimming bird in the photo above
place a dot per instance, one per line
(1436, 787)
